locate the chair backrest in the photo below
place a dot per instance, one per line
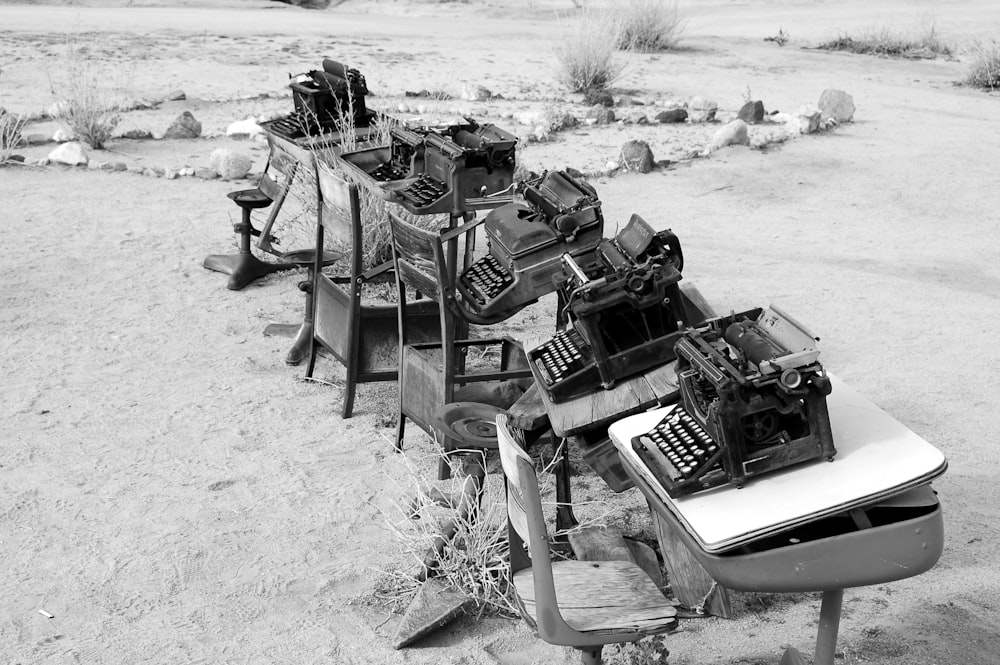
(419, 258)
(338, 210)
(281, 167)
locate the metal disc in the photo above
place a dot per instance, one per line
(469, 423)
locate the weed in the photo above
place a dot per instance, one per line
(10, 133)
(780, 39)
(648, 25)
(88, 95)
(647, 651)
(887, 43)
(984, 71)
(585, 51)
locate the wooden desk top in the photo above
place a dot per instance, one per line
(877, 457)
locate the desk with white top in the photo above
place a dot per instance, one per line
(867, 517)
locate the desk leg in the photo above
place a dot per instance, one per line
(826, 636)
(565, 519)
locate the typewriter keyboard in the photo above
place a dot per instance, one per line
(425, 191)
(486, 279)
(562, 356)
(297, 125)
(389, 171)
(684, 446)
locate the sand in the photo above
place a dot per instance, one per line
(172, 492)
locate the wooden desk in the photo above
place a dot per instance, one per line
(812, 527)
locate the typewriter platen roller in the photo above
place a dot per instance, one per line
(751, 386)
(526, 242)
(623, 306)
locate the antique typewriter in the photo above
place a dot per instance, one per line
(753, 400)
(560, 215)
(325, 100)
(624, 309)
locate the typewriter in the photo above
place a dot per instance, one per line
(560, 215)
(624, 309)
(325, 100)
(753, 400)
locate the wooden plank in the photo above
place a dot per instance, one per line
(435, 605)
(663, 383)
(690, 582)
(645, 557)
(600, 543)
(528, 412)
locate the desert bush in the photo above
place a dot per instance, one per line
(648, 25)
(984, 70)
(10, 133)
(888, 43)
(585, 51)
(89, 95)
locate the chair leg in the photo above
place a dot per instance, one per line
(350, 386)
(591, 656)
(400, 428)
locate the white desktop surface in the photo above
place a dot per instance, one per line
(877, 456)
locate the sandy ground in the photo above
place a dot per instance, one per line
(171, 492)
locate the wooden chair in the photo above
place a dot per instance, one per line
(361, 335)
(271, 190)
(581, 604)
(432, 375)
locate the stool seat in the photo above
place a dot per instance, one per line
(250, 198)
(307, 257)
(466, 426)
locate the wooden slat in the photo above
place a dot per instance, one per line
(606, 596)
(663, 383)
(528, 412)
(689, 581)
(600, 543)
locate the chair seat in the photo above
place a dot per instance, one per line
(250, 198)
(610, 596)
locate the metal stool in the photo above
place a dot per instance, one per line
(466, 427)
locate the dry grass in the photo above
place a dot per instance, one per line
(889, 43)
(984, 69)
(586, 53)
(88, 95)
(11, 126)
(647, 26)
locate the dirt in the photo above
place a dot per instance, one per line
(173, 492)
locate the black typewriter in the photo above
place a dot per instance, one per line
(406, 155)
(625, 309)
(753, 401)
(559, 215)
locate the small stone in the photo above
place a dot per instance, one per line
(604, 116)
(476, 93)
(565, 121)
(751, 112)
(808, 119)
(185, 126)
(541, 133)
(702, 110)
(836, 104)
(624, 100)
(34, 139)
(230, 165)
(640, 119)
(170, 174)
(150, 173)
(598, 97)
(58, 109)
(137, 168)
(62, 136)
(573, 173)
(206, 174)
(175, 96)
(637, 156)
(733, 133)
(106, 166)
(119, 166)
(186, 172)
(16, 158)
(243, 129)
(72, 153)
(43, 161)
(671, 116)
(137, 134)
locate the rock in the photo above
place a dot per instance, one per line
(573, 173)
(751, 112)
(185, 126)
(175, 96)
(565, 121)
(243, 129)
(106, 166)
(807, 119)
(130, 104)
(16, 158)
(672, 115)
(836, 104)
(702, 110)
(72, 153)
(604, 116)
(612, 165)
(541, 133)
(625, 100)
(137, 134)
(637, 156)
(150, 173)
(598, 97)
(119, 166)
(58, 109)
(733, 133)
(137, 168)
(34, 139)
(230, 165)
(206, 174)
(639, 119)
(43, 161)
(476, 93)
(62, 136)
(170, 174)
(186, 172)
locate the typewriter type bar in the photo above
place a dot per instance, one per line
(526, 242)
(624, 303)
(752, 382)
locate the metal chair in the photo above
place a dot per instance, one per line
(434, 374)
(271, 190)
(359, 334)
(581, 604)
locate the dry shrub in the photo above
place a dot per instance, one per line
(648, 25)
(585, 51)
(11, 126)
(89, 95)
(889, 43)
(984, 70)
